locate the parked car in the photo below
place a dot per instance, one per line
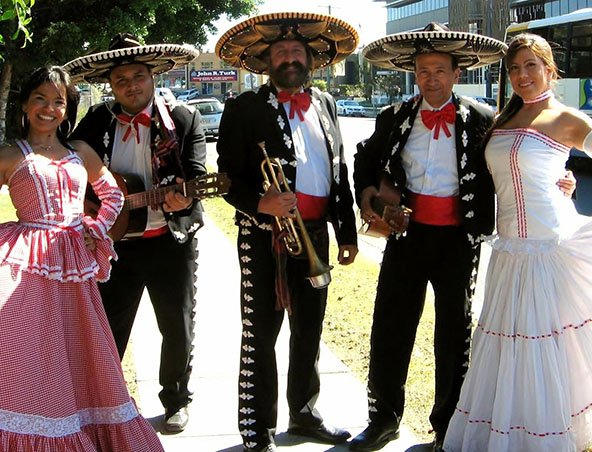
(211, 111)
(348, 107)
(489, 101)
(166, 94)
(188, 94)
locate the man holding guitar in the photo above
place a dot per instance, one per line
(162, 145)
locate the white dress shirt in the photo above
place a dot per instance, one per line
(135, 158)
(430, 165)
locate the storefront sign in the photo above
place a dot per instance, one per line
(214, 75)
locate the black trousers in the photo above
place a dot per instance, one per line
(258, 385)
(167, 269)
(442, 256)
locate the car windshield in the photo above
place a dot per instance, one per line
(351, 103)
(209, 108)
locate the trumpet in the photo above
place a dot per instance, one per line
(295, 241)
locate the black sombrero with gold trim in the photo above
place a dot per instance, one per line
(126, 49)
(398, 51)
(330, 39)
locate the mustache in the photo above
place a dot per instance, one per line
(294, 65)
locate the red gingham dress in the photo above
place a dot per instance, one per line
(61, 384)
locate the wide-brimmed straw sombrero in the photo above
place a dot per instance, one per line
(330, 39)
(126, 49)
(398, 51)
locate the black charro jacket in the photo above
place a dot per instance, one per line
(258, 116)
(380, 156)
(97, 128)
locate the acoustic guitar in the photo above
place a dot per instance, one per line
(134, 214)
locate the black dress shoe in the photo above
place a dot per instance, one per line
(323, 433)
(375, 437)
(438, 444)
(267, 448)
(177, 421)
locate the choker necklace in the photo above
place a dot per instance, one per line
(541, 97)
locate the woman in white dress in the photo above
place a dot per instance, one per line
(529, 385)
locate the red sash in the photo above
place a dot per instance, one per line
(435, 210)
(312, 207)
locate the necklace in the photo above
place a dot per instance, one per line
(541, 97)
(45, 148)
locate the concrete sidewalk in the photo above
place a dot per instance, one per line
(213, 413)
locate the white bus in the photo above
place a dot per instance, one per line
(570, 36)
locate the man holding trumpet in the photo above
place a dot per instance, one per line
(303, 181)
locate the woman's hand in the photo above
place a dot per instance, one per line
(567, 184)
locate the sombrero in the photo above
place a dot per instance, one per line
(330, 39)
(126, 49)
(398, 51)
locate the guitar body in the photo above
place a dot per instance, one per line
(134, 215)
(129, 221)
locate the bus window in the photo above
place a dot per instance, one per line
(581, 50)
(558, 39)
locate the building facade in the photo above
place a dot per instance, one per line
(212, 77)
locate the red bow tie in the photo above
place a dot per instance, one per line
(140, 118)
(299, 103)
(439, 118)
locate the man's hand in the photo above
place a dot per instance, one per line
(567, 184)
(347, 254)
(277, 204)
(88, 240)
(175, 201)
(368, 214)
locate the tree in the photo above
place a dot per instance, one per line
(19, 13)
(320, 84)
(65, 29)
(352, 90)
(389, 84)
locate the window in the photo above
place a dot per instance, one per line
(207, 64)
(207, 88)
(581, 50)
(558, 36)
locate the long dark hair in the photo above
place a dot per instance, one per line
(541, 48)
(59, 78)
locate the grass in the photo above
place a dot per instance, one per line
(348, 321)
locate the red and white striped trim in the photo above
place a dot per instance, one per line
(513, 427)
(541, 97)
(536, 135)
(539, 336)
(518, 189)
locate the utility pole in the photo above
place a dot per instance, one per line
(487, 13)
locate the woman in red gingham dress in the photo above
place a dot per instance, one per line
(61, 384)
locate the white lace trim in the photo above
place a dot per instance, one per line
(522, 246)
(31, 424)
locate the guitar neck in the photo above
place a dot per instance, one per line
(149, 198)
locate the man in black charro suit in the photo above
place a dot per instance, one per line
(298, 126)
(429, 147)
(128, 134)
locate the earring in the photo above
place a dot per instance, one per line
(67, 121)
(24, 120)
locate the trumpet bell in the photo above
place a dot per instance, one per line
(320, 281)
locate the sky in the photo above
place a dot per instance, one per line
(366, 16)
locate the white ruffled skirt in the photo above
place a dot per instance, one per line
(529, 385)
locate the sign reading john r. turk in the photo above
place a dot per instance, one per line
(214, 75)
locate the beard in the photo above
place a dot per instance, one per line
(283, 76)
